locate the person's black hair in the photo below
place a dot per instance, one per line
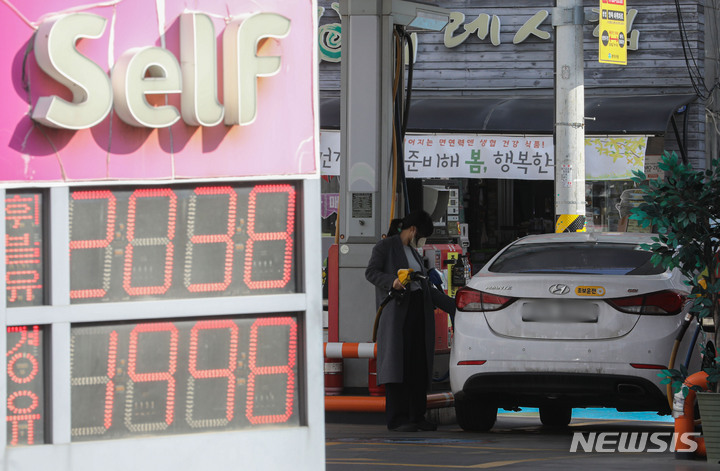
(395, 226)
(420, 219)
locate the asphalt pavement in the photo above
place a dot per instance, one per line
(518, 441)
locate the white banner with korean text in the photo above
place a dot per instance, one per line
(510, 157)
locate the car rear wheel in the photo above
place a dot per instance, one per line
(555, 415)
(475, 414)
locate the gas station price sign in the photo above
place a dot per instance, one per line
(166, 376)
(160, 378)
(143, 243)
(187, 376)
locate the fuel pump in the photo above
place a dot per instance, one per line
(372, 76)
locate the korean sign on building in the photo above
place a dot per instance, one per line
(483, 27)
(613, 32)
(510, 157)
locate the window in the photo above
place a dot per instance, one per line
(581, 258)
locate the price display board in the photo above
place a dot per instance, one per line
(182, 312)
(189, 376)
(182, 242)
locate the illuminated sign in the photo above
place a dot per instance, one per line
(140, 72)
(160, 188)
(189, 376)
(24, 277)
(25, 386)
(181, 242)
(141, 90)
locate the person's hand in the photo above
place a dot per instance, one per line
(397, 285)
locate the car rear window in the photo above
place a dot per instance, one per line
(584, 258)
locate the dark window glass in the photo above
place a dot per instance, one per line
(582, 258)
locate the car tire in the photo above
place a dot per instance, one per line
(475, 414)
(555, 416)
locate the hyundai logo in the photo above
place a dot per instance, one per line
(559, 289)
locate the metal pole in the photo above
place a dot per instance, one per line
(568, 18)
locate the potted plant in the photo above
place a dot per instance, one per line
(684, 210)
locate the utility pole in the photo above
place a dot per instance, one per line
(569, 133)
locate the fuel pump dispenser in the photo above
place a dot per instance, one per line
(372, 112)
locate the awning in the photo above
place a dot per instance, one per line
(630, 114)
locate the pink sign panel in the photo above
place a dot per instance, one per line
(278, 140)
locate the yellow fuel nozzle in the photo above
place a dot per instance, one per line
(404, 275)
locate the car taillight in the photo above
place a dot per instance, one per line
(468, 299)
(663, 303)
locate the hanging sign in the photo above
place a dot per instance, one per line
(613, 32)
(511, 157)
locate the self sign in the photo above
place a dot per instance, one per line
(143, 71)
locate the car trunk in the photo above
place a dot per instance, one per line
(569, 307)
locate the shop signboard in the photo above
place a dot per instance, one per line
(161, 191)
(76, 71)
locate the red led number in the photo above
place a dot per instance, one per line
(254, 237)
(155, 376)
(138, 378)
(165, 242)
(152, 219)
(200, 374)
(286, 369)
(224, 238)
(95, 243)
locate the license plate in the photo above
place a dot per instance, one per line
(560, 311)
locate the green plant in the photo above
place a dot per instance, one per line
(684, 211)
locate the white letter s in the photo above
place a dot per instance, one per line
(57, 55)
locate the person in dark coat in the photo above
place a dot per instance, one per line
(406, 330)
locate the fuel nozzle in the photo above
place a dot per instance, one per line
(406, 275)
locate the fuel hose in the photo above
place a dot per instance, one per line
(673, 354)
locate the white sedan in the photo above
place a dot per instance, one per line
(559, 321)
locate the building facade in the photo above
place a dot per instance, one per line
(490, 74)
